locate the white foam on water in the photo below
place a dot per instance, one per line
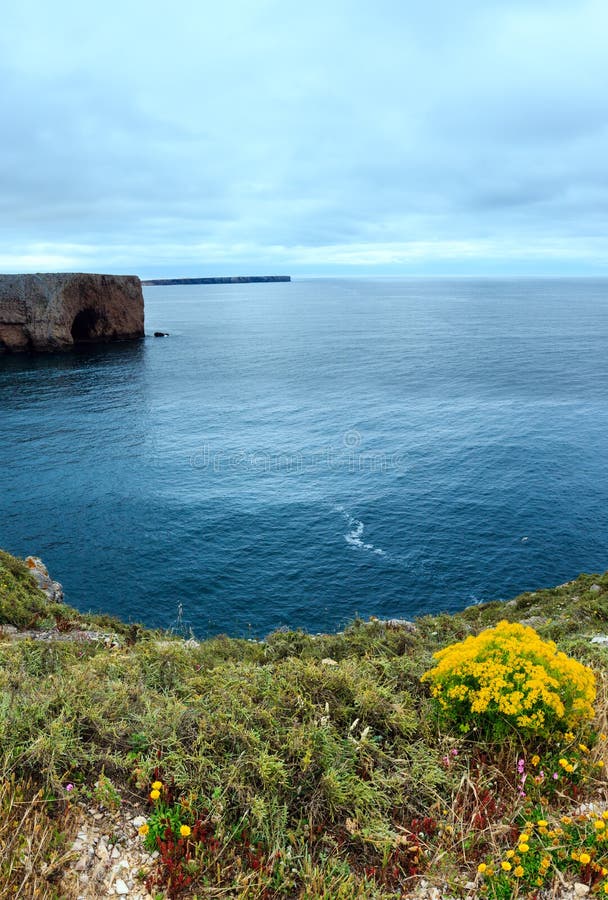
(354, 537)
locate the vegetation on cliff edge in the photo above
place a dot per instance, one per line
(299, 766)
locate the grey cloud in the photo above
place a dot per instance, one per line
(251, 132)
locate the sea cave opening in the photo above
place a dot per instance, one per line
(84, 325)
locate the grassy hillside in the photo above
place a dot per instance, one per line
(301, 766)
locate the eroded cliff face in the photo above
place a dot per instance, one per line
(55, 311)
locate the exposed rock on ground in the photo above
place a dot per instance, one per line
(47, 312)
(108, 856)
(40, 574)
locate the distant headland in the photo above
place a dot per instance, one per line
(229, 279)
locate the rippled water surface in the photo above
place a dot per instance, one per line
(295, 454)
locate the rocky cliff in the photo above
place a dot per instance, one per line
(55, 311)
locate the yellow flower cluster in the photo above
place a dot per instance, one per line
(539, 850)
(157, 787)
(509, 673)
(159, 815)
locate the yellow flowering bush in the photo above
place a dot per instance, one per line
(508, 677)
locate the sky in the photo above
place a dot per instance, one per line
(343, 137)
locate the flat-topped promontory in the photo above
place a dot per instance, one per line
(219, 279)
(55, 311)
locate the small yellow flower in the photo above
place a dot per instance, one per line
(510, 854)
(523, 848)
(600, 764)
(584, 748)
(545, 862)
(481, 868)
(584, 858)
(519, 871)
(535, 760)
(568, 736)
(505, 866)
(157, 785)
(524, 838)
(567, 820)
(185, 831)
(154, 795)
(144, 829)
(542, 823)
(599, 825)
(563, 762)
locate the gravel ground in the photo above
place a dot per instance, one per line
(109, 856)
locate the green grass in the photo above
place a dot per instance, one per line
(313, 778)
(21, 603)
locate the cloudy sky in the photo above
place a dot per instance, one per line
(318, 137)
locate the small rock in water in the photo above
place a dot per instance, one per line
(161, 334)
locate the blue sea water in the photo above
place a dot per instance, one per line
(297, 454)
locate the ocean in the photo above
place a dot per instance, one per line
(300, 454)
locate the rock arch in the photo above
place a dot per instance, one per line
(84, 327)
